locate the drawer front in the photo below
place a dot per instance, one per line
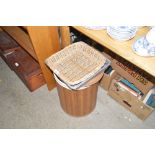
(21, 60)
(32, 82)
(35, 81)
(5, 56)
(6, 42)
(27, 69)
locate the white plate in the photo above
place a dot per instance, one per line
(120, 35)
(140, 49)
(95, 27)
(150, 36)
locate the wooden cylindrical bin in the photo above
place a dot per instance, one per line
(77, 102)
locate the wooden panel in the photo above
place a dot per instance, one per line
(24, 27)
(6, 42)
(124, 49)
(45, 41)
(21, 37)
(78, 102)
(65, 36)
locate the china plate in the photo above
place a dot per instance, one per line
(120, 36)
(139, 48)
(123, 28)
(95, 27)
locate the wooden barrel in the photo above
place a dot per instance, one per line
(77, 102)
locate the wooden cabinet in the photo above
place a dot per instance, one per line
(40, 42)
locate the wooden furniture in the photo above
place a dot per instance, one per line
(40, 42)
(45, 40)
(21, 37)
(6, 43)
(65, 36)
(26, 68)
(19, 61)
(123, 49)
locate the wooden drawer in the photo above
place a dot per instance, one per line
(6, 42)
(7, 46)
(4, 55)
(26, 68)
(21, 37)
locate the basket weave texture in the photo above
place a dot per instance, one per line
(76, 63)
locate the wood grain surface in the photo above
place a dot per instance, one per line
(21, 37)
(78, 102)
(45, 41)
(65, 36)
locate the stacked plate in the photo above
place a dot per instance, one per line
(145, 46)
(122, 33)
(95, 27)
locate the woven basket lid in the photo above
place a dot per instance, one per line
(77, 63)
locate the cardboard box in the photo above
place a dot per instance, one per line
(149, 100)
(128, 100)
(133, 74)
(106, 79)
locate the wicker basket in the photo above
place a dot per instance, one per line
(77, 63)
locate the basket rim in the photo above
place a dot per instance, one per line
(95, 63)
